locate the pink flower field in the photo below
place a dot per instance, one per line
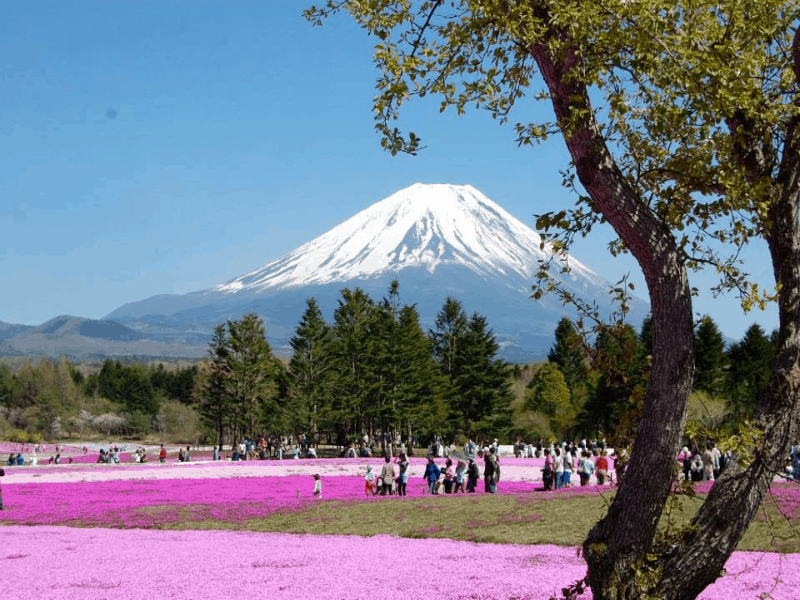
(65, 563)
(115, 548)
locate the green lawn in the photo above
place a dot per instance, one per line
(523, 519)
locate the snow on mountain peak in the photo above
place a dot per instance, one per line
(422, 226)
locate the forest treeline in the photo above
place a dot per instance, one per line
(372, 370)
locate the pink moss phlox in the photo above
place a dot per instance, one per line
(76, 564)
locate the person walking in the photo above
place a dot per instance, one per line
(601, 467)
(491, 471)
(585, 468)
(432, 473)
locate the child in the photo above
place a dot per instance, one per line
(317, 486)
(437, 488)
(370, 479)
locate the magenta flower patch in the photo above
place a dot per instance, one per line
(60, 563)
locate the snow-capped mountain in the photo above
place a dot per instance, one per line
(421, 227)
(436, 240)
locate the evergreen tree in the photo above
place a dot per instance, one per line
(421, 408)
(383, 363)
(128, 385)
(479, 384)
(350, 352)
(251, 383)
(451, 326)
(750, 369)
(484, 382)
(310, 367)
(620, 366)
(211, 390)
(709, 357)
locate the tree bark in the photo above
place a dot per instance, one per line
(617, 543)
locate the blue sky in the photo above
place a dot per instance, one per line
(165, 147)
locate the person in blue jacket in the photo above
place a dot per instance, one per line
(431, 475)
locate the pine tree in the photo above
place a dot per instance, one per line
(211, 389)
(620, 366)
(750, 368)
(709, 357)
(350, 352)
(567, 353)
(421, 408)
(451, 326)
(484, 384)
(309, 367)
(251, 382)
(479, 383)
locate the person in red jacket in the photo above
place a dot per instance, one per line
(601, 468)
(162, 456)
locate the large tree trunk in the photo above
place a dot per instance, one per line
(617, 543)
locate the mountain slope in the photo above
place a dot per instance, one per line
(437, 240)
(423, 226)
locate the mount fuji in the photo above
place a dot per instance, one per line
(436, 240)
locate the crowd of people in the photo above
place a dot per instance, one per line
(448, 479)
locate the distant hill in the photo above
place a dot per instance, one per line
(88, 339)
